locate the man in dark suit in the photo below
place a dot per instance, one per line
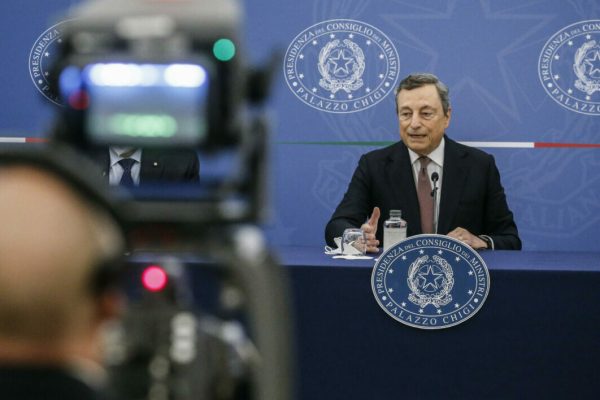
(470, 204)
(148, 165)
(52, 308)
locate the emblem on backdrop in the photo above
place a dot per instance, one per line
(569, 67)
(42, 54)
(341, 66)
(430, 282)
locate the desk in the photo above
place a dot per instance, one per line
(537, 336)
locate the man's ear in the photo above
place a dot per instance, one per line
(448, 117)
(110, 305)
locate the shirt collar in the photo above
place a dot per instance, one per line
(114, 152)
(89, 372)
(437, 155)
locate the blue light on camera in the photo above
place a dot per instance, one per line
(131, 75)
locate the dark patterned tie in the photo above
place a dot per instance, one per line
(425, 198)
(127, 179)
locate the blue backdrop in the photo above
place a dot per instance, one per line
(524, 79)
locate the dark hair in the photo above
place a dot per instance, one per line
(417, 80)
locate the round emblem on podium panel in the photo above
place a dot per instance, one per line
(430, 282)
(569, 67)
(341, 66)
(41, 56)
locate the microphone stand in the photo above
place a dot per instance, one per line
(434, 193)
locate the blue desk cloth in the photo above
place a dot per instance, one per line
(537, 336)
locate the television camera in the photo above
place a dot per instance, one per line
(169, 75)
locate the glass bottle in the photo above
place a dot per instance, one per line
(394, 229)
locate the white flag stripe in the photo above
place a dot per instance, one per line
(13, 140)
(517, 145)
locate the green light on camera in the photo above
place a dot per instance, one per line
(143, 125)
(224, 49)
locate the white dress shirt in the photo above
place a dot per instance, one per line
(116, 170)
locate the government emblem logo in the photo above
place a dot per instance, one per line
(569, 67)
(341, 66)
(41, 58)
(430, 282)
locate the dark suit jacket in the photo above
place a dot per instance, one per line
(160, 165)
(42, 383)
(472, 196)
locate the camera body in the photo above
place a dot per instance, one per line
(166, 75)
(151, 74)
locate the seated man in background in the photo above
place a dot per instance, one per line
(133, 166)
(470, 200)
(52, 306)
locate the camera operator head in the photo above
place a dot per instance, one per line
(54, 295)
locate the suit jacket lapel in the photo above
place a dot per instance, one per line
(102, 160)
(152, 166)
(453, 181)
(402, 182)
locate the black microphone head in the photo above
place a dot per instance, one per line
(435, 176)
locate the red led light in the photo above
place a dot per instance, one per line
(154, 278)
(79, 100)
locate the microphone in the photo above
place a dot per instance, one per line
(434, 178)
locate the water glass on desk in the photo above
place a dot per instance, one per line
(354, 242)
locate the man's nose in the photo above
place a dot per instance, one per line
(415, 121)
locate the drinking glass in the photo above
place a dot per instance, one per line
(354, 242)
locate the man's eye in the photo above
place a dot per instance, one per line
(405, 115)
(427, 115)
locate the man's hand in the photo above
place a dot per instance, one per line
(370, 229)
(467, 237)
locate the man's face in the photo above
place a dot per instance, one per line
(422, 119)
